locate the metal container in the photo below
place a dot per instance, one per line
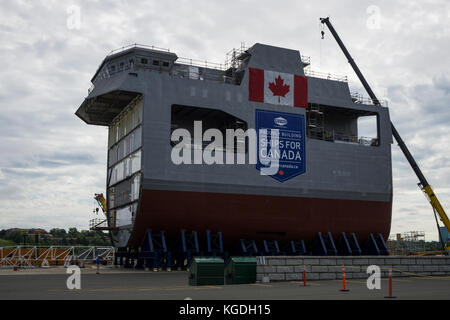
(206, 271)
(240, 270)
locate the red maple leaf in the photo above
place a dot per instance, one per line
(278, 88)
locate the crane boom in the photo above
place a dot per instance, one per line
(102, 202)
(424, 185)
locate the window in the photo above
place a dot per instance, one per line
(144, 61)
(156, 62)
(125, 168)
(368, 130)
(165, 64)
(342, 125)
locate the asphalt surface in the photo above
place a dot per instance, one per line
(123, 284)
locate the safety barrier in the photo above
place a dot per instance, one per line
(38, 256)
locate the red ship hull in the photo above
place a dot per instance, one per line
(258, 217)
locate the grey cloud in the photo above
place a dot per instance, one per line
(21, 173)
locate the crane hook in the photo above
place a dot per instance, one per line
(322, 33)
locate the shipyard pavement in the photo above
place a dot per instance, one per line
(115, 283)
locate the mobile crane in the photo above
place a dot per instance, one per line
(101, 202)
(99, 224)
(423, 183)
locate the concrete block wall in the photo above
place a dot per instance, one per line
(288, 268)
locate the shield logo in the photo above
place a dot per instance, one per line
(281, 144)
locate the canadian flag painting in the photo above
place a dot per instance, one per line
(278, 88)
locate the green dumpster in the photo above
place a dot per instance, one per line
(240, 270)
(206, 271)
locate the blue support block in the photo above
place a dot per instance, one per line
(371, 247)
(154, 251)
(297, 248)
(270, 248)
(319, 247)
(324, 245)
(331, 247)
(187, 247)
(248, 247)
(349, 245)
(344, 247)
(214, 244)
(382, 245)
(354, 244)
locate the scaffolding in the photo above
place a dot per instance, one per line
(315, 120)
(407, 243)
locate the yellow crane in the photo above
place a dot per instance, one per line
(101, 202)
(423, 183)
(100, 224)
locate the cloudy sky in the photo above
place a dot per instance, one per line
(51, 163)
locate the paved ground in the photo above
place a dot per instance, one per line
(122, 284)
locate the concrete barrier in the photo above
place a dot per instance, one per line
(288, 268)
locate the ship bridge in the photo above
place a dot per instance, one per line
(115, 81)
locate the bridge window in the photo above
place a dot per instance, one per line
(342, 125)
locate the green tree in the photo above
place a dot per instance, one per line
(5, 243)
(73, 232)
(59, 233)
(15, 236)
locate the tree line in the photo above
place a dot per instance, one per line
(55, 236)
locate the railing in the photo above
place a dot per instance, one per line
(201, 63)
(98, 223)
(332, 136)
(230, 61)
(38, 256)
(328, 76)
(137, 45)
(191, 74)
(361, 99)
(188, 61)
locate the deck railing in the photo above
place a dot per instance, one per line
(322, 75)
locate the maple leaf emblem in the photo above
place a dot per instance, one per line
(278, 88)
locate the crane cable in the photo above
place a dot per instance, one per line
(322, 32)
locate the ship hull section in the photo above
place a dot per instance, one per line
(258, 217)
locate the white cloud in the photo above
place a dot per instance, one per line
(46, 69)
